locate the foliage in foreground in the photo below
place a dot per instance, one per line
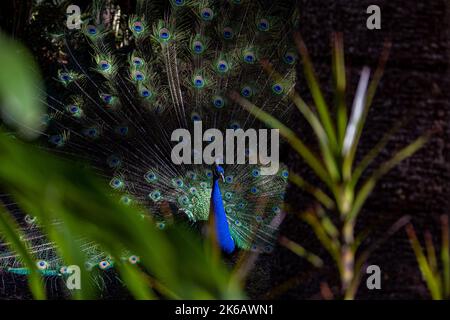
(436, 276)
(173, 263)
(334, 217)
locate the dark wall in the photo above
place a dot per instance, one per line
(414, 89)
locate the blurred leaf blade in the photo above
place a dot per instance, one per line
(11, 232)
(20, 88)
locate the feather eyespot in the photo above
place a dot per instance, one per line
(290, 57)
(137, 27)
(113, 161)
(104, 65)
(164, 34)
(198, 82)
(195, 117)
(256, 173)
(116, 183)
(133, 259)
(104, 264)
(198, 47)
(222, 66)
(92, 30)
(263, 25)
(246, 92)
(42, 264)
(207, 14)
(138, 76)
(228, 33)
(249, 57)
(151, 176)
(218, 102)
(277, 88)
(235, 125)
(155, 195)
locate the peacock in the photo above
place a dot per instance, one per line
(116, 104)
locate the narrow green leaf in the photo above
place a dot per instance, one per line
(302, 252)
(316, 92)
(12, 234)
(445, 256)
(430, 278)
(370, 183)
(340, 84)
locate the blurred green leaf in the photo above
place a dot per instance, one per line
(20, 88)
(12, 234)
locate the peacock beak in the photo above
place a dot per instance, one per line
(223, 177)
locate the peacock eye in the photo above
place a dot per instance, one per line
(235, 126)
(150, 176)
(222, 66)
(164, 34)
(228, 195)
(138, 76)
(195, 117)
(209, 173)
(256, 173)
(258, 218)
(277, 88)
(276, 209)
(123, 131)
(263, 25)
(198, 82)
(138, 62)
(179, 2)
(268, 249)
(92, 30)
(184, 200)
(282, 195)
(116, 183)
(42, 264)
(218, 102)
(137, 27)
(155, 195)
(246, 92)
(249, 57)
(160, 225)
(146, 93)
(57, 140)
(107, 98)
(113, 161)
(285, 174)
(63, 270)
(65, 77)
(229, 179)
(91, 132)
(228, 33)
(254, 190)
(198, 47)
(104, 264)
(207, 14)
(104, 65)
(177, 183)
(240, 205)
(126, 200)
(193, 190)
(133, 259)
(289, 57)
(237, 223)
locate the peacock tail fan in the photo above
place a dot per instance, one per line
(118, 102)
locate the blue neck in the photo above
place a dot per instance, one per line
(224, 239)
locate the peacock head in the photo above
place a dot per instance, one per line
(218, 172)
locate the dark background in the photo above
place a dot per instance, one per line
(414, 90)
